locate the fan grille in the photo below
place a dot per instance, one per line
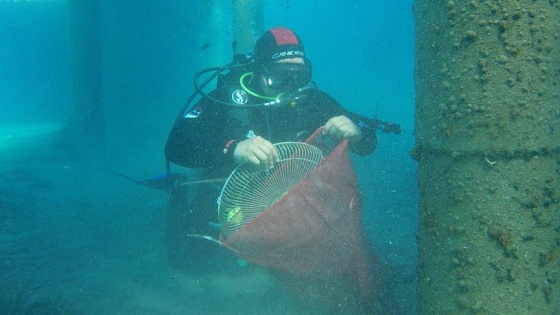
(249, 191)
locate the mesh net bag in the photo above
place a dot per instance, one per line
(311, 234)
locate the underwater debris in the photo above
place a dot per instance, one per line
(489, 161)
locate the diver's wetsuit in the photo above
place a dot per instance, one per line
(200, 138)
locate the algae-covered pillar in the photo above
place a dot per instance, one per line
(488, 150)
(248, 23)
(87, 126)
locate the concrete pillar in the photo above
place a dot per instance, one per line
(87, 127)
(215, 34)
(248, 23)
(488, 149)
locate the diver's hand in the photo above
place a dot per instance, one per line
(341, 127)
(257, 151)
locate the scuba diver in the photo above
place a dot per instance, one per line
(262, 99)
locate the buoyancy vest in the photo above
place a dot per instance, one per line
(274, 122)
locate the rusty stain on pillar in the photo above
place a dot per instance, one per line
(248, 23)
(86, 130)
(488, 149)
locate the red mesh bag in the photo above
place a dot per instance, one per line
(313, 238)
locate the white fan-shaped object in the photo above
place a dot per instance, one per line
(249, 191)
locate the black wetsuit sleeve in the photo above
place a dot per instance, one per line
(204, 137)
(368, 142)
(331, 108)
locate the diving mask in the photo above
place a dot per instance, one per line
(287, 76)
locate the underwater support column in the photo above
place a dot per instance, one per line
(87, 126)
(214, 33)
(488, 149)
(248, 23)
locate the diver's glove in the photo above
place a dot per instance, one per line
(257, 151)
(341, 127)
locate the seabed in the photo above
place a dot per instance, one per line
(76, 239)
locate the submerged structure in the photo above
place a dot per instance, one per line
(488, 147)
(86, 130)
